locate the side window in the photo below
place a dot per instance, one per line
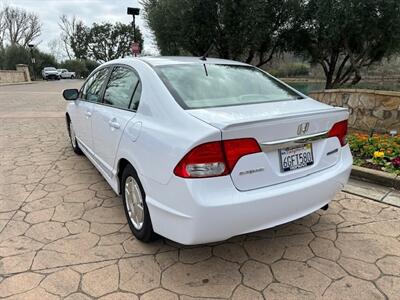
(121, 87)
(92, 89)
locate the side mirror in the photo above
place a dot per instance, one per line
(70, 94)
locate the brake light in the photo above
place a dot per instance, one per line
(215, 158)
(235, 149)
(339, 130)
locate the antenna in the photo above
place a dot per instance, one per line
(204, 57)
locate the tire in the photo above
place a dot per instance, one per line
(72, 77)
(142, 229)
(73, 140)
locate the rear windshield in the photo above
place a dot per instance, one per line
(209, 85)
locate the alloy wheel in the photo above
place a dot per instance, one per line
(134, 202)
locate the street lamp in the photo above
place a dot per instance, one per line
(133, 11)
(33, 60)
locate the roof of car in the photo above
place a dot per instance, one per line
(173, 60)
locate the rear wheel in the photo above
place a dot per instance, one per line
(72, 137)
(136, 210)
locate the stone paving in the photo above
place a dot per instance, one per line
(373, 191)
(64, 235)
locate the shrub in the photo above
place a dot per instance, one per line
(379, 150)
(82, 67)
(13, 55)
(291, 70)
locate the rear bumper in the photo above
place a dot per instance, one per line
(209, 210)
(51, 76)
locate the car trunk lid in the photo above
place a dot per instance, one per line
(285, 130)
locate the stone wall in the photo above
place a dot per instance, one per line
(369, 109)
(21, 74)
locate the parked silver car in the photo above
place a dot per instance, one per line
(50, 73)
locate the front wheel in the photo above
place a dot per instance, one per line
(72, 137)
(136, 210)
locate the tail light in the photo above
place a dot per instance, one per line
(215, 158)
(339, 130)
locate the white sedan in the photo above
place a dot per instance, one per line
(205, 149)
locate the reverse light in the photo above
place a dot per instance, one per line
(339, 130)
(215, 158)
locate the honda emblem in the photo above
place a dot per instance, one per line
(303, 128)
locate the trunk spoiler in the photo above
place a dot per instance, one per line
(286, 116)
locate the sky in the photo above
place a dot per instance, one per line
(89, 11)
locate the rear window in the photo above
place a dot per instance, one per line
(209, 85)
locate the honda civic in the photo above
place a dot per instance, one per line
(203, 149)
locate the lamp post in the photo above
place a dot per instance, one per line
(33, 60)
(133, 11)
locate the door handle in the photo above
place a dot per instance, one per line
(114, 124)
(88, 114)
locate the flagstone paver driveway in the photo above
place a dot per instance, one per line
(64, 235)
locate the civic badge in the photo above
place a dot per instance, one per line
(303, 128)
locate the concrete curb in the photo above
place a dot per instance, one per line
(16, 83)
(375, 176)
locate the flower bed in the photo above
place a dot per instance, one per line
(379, 151)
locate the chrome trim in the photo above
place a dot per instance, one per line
(333, 151)
(286, 143)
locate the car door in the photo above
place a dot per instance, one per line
(89, 95)
(121, 97)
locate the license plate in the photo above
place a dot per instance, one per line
(296, 157)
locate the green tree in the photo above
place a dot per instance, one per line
(2, 58)
(80, 40)
(108, 41)
(252, 31)
(43, 60)
(99, 42)
(90, 66)
(13, 55)
(75, 65)
(346, 36)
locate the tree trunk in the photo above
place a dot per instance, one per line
(250, 57)
(328, 75)
(356, 79)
